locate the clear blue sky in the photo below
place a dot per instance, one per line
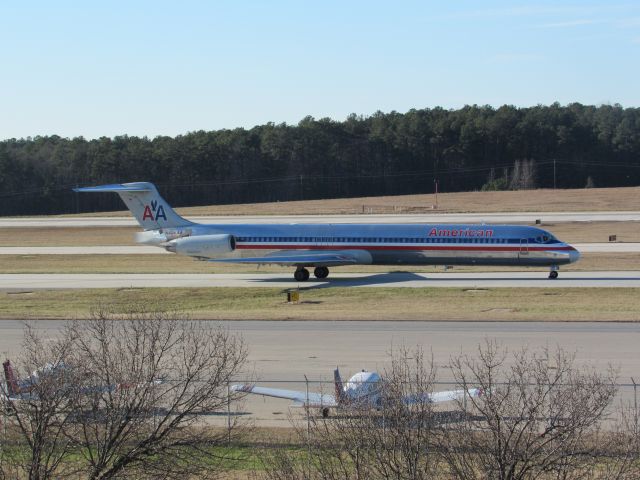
(169, 67)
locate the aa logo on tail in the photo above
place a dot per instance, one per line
(154, 212)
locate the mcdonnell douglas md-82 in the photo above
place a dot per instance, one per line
(320, 246)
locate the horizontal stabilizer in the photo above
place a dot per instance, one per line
(116, 187)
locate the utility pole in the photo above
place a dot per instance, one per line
(228, 413)
(554, 173)
(301, 189)
(306, 382)
(435, 181)
(635, 412)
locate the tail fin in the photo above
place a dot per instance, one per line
(12, 381)
(339, 388)
(145, 203)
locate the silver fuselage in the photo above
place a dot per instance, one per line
(401, 244)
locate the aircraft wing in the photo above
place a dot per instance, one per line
(444, 396)
(305, 258)
(300, 399)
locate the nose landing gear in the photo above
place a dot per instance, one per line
(553, 274)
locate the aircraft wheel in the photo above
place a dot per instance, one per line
(553, 274)
(301, 275)
(325, 412)
(321, 272)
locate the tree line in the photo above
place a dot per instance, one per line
(472, 148)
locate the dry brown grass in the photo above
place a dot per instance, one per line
(66, 236)
(594, 232)
(574, 232)
(499, 304)
(543, 200)
(178, 264)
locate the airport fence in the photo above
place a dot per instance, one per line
(627, 394)
(239, 401)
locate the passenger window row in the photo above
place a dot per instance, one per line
(387, 240)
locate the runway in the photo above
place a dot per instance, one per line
(315, 348)
(149, 250)
(517, 279)
(504, 217)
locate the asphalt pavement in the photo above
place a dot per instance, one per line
(282, 352)
(515, 279)
(505, 217)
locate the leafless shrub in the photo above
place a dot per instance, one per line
(538, 417)
(620, 446)
(394, 440)
(147, 380)
(128, 395)
(524, 175)
(37, 410)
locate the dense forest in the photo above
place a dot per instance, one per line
(473, 148)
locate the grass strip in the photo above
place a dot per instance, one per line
(220, 303)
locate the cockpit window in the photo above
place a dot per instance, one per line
(548, 238)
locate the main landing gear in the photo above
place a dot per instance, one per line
(302, 274)
(321, 272)
(553, 274)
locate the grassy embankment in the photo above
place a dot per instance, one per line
(542, 200)
(502, 304)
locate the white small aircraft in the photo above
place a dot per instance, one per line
(60, 374)
(363, 389)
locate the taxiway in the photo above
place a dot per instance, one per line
(517, 279)
(315, 348)
(508, 217)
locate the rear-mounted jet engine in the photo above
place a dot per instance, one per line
(204, 246)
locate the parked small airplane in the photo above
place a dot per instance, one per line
(27, 389)
(60, 373)
(321, 246)
(363, 389)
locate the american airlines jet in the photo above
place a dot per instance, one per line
(320, 246)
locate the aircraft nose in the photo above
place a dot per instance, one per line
(574, 255)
